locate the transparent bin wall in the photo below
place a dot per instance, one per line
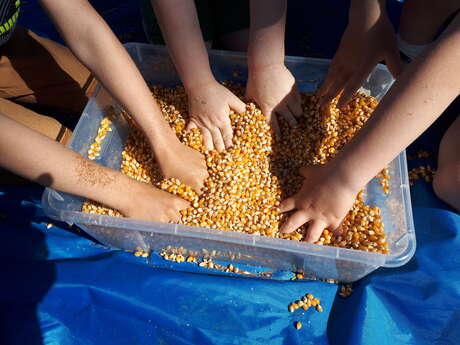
(265, 257)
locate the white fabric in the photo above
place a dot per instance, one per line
(410, 50)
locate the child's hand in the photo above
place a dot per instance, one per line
(274, 90)
(209, 108)
(150, 203)
(323, 201)
(364, 44)
(184, 163)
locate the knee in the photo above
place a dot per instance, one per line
(446, 185)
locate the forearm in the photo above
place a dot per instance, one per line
(181, 30)
(95, 45)
(38, 158)
(366, 11)
(418, 97)
(266, 33)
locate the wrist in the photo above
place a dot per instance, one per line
(365, 11)
(115, 190)
(125, 194)
(267, 67)
(348, 176)
(203, 78)
(166, 153)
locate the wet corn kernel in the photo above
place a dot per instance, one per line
(298, 325)
(248, 181)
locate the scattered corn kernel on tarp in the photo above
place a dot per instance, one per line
(61, 288)
(58, 287)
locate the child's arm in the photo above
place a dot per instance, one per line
(209, 101)
(425, 88)
(368, 39)
(270, 84)
(38, 158)
(95, 45)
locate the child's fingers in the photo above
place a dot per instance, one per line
(338, 228)
(237, 105)
(393, 61)
(354, 84)
(295, 221)
(217, 138)
(334, 89)
(207, 137)
(227, 134)
(271, 118)
(191, 125)
(287, 205)
(329, 80)
(315, 229)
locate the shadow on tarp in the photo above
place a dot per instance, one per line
(416, 290)
(25, 271)
(413, 304)
(26, 275)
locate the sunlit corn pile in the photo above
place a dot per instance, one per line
(422, 172)
(247, 182)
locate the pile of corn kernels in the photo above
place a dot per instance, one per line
(247, 182)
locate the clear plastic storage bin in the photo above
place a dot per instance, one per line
(268, 257)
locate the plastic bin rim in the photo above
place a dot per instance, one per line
(388, 260)
(229, 53)
(211, 234)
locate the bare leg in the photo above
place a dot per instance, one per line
(422, 19)
(446, 182)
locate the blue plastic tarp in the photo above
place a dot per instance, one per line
(59, 287)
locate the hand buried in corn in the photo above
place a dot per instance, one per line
(185, 164)
(150, 203)
(368, 39)
(209, 108)
(274, 90)
(247, 183)
(323, 201)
